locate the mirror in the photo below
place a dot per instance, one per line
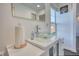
(30, 11)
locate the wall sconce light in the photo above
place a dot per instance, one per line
(78, 18)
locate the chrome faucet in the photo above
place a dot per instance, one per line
(37, 30)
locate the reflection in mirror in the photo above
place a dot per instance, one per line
(30, 11)
(42, 17)
(53, 21)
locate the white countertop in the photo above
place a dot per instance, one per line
(48, 43)
(29, 50)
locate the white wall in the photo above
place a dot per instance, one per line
(8, 23)
(66, 28)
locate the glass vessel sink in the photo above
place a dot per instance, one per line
(46, 35)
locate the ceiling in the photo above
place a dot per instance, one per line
(34, 7)
(55, 6)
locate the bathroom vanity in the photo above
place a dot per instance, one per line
(45, 43)
(35, 47)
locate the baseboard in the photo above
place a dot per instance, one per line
(73, 50)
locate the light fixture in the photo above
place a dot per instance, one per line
(77, 18)
(38, 6)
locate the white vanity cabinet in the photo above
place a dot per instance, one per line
(45, 44)
(35, 48)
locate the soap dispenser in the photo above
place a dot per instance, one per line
(32, 35)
